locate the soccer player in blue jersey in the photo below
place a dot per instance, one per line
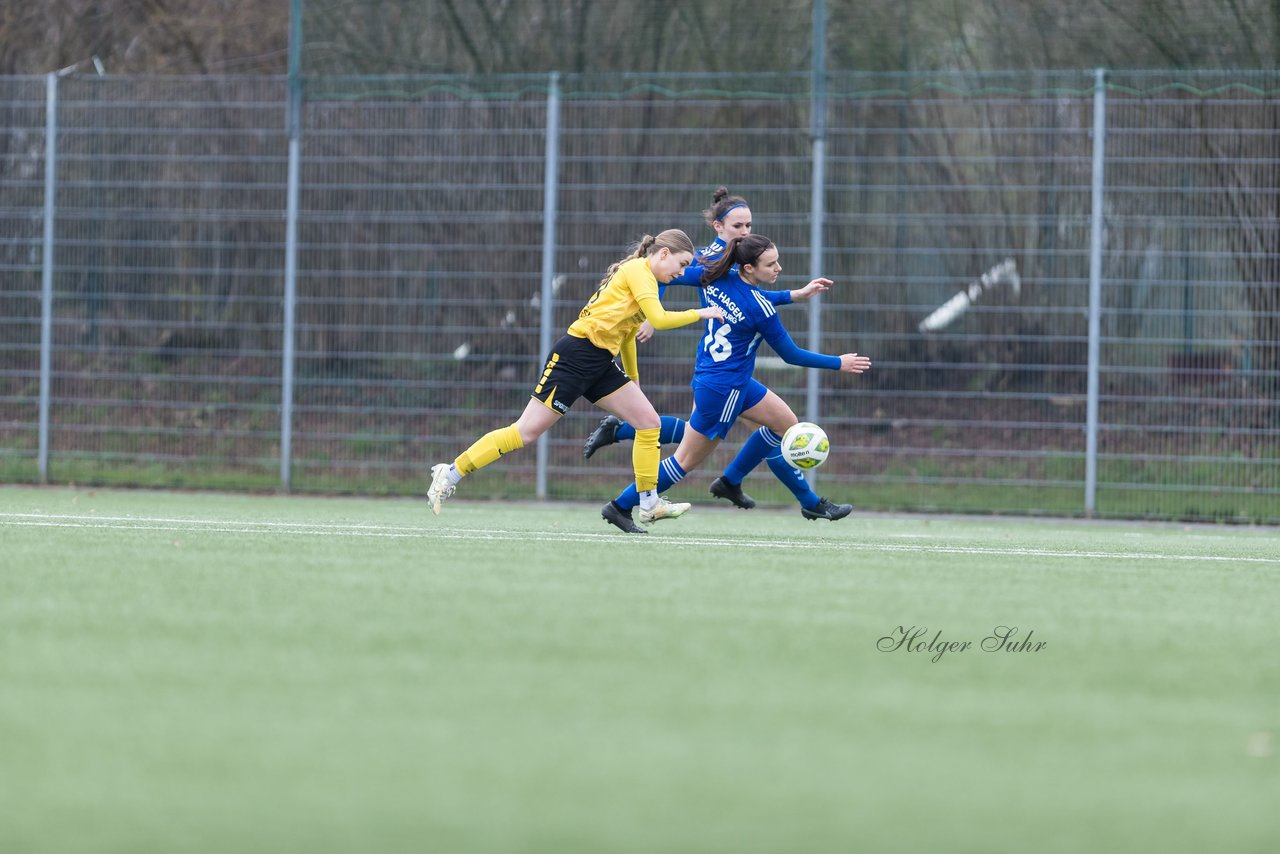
(729, 216)
(724, 388)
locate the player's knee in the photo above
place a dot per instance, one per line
(527, 431)
(647, 422)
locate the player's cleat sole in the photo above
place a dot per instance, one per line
(441, 489)
(827, 510)
(664, 509)
(620, 519)
(722, 488)
(606, 433)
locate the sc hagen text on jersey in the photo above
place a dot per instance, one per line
(727, 357)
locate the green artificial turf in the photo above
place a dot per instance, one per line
(184, 672)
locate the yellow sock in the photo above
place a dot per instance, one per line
(492, 445)
(645, 456)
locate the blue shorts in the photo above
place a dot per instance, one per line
(715, 410)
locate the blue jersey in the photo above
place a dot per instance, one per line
(709, 253)
(727, 353)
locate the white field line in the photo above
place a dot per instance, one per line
(258, 527)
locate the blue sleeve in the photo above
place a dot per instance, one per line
(777, 297)
(782, 344)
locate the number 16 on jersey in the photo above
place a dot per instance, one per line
(716, 342)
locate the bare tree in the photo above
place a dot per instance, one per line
(151, 36)
(505, 36)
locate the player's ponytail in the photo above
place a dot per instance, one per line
(740, 251)
(673, 240)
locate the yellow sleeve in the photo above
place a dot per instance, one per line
(663, 319)
(630, 364)
(644, 288)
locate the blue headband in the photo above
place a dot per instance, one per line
(731, 208)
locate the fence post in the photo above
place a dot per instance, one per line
(46, 271)
(294, 121)
(1095, 291)
(550, 181)
(817, 202)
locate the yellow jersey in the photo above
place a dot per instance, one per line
(615, 311)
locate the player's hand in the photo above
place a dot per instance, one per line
(817, 286)
(852, 363)
(644, 333)
(711, 313)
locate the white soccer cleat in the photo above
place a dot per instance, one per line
(664, 509)
(441, 487)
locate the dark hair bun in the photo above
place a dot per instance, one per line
(721, 192)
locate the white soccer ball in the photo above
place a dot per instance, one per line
(805, 446)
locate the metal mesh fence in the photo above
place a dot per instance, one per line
(935, 188)
(22, 153)
(418, 253)
(167, 323)
(420, 231)
(1189, 399)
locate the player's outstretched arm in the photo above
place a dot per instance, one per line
(792, 354)
(660, 318)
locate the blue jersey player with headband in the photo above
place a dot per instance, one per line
(725, 389)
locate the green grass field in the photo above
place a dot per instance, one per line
(223, 673)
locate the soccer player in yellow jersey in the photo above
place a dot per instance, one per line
(581, 364)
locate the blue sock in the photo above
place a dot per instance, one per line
(793, 480)
(669, 474)
(629, 498)
(758, 446)
(672, 431)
